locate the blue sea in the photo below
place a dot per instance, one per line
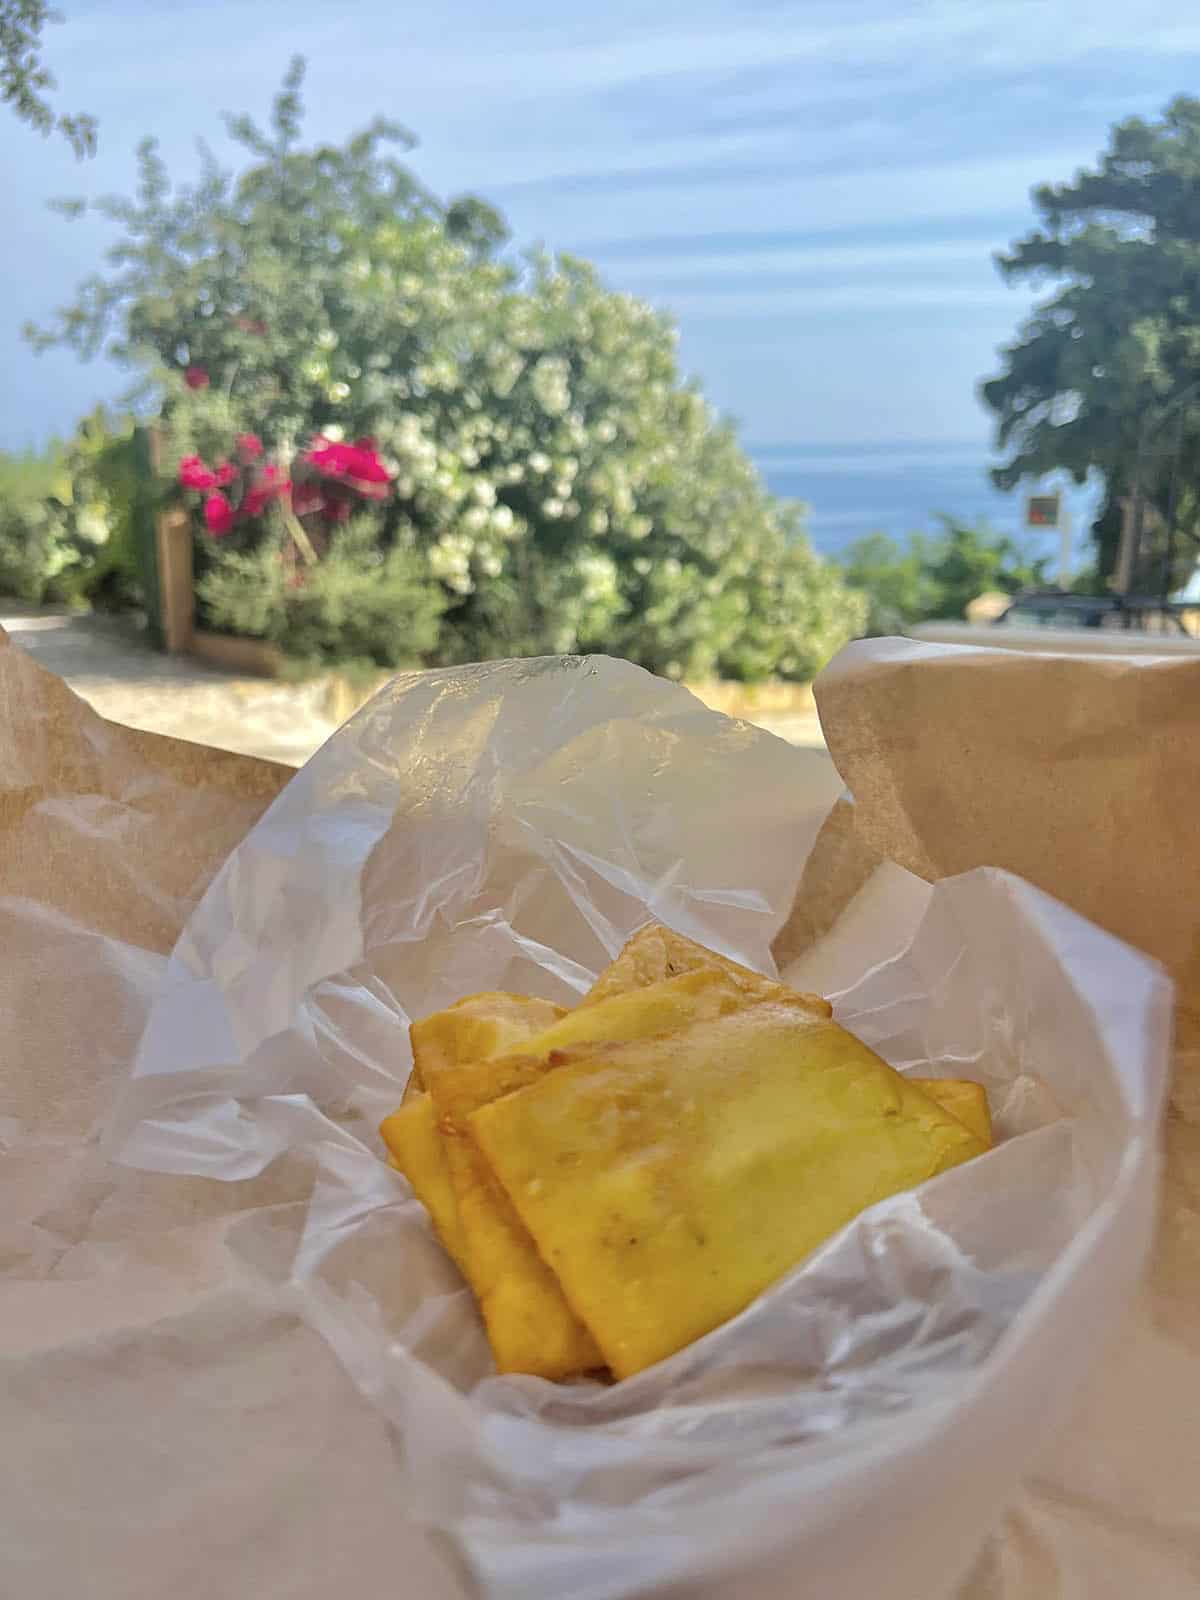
(901, 488)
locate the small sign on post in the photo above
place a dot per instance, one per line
(1044, 511)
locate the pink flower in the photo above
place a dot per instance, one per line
(338, 510)
(250, 446)
(356, 465)
(193, 474)
(225, 475)
(218, 516)
(196, 378)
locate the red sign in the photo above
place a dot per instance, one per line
(1042, 510)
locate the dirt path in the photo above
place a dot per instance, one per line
(108, 663)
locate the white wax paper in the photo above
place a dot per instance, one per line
(857, 1429)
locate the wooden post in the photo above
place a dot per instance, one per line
(177, 600)
(170, 599)
(1131, 517)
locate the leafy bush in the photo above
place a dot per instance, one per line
(357, 607)
(36, 551)
(67, 519)
(106, 488)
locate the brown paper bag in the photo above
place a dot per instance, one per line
(1080, 774)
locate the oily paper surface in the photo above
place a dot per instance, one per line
(509, 826)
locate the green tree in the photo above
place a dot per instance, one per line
(24, 79)
(966, 561)
(934, 576)
(1118, 342)
(893, 578)
(552, 474)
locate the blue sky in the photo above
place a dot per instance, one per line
(815, 190)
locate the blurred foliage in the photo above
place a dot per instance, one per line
(557, 485)
(1107, 358)
(935, 576)
(67, 530)
(24, 79)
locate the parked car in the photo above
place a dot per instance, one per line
(1058, 608)
(1059, 622)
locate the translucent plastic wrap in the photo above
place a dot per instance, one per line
(858, 1428)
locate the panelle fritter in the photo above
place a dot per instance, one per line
(656, 953)
(530, 1325)
(474, 1029)
(667, 1181)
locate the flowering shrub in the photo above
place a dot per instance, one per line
(336, 349)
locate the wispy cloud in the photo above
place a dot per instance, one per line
(869, 194)
(785, 264)
(877, 298)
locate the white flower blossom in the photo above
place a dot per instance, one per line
(549, 382)
(599, 576)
